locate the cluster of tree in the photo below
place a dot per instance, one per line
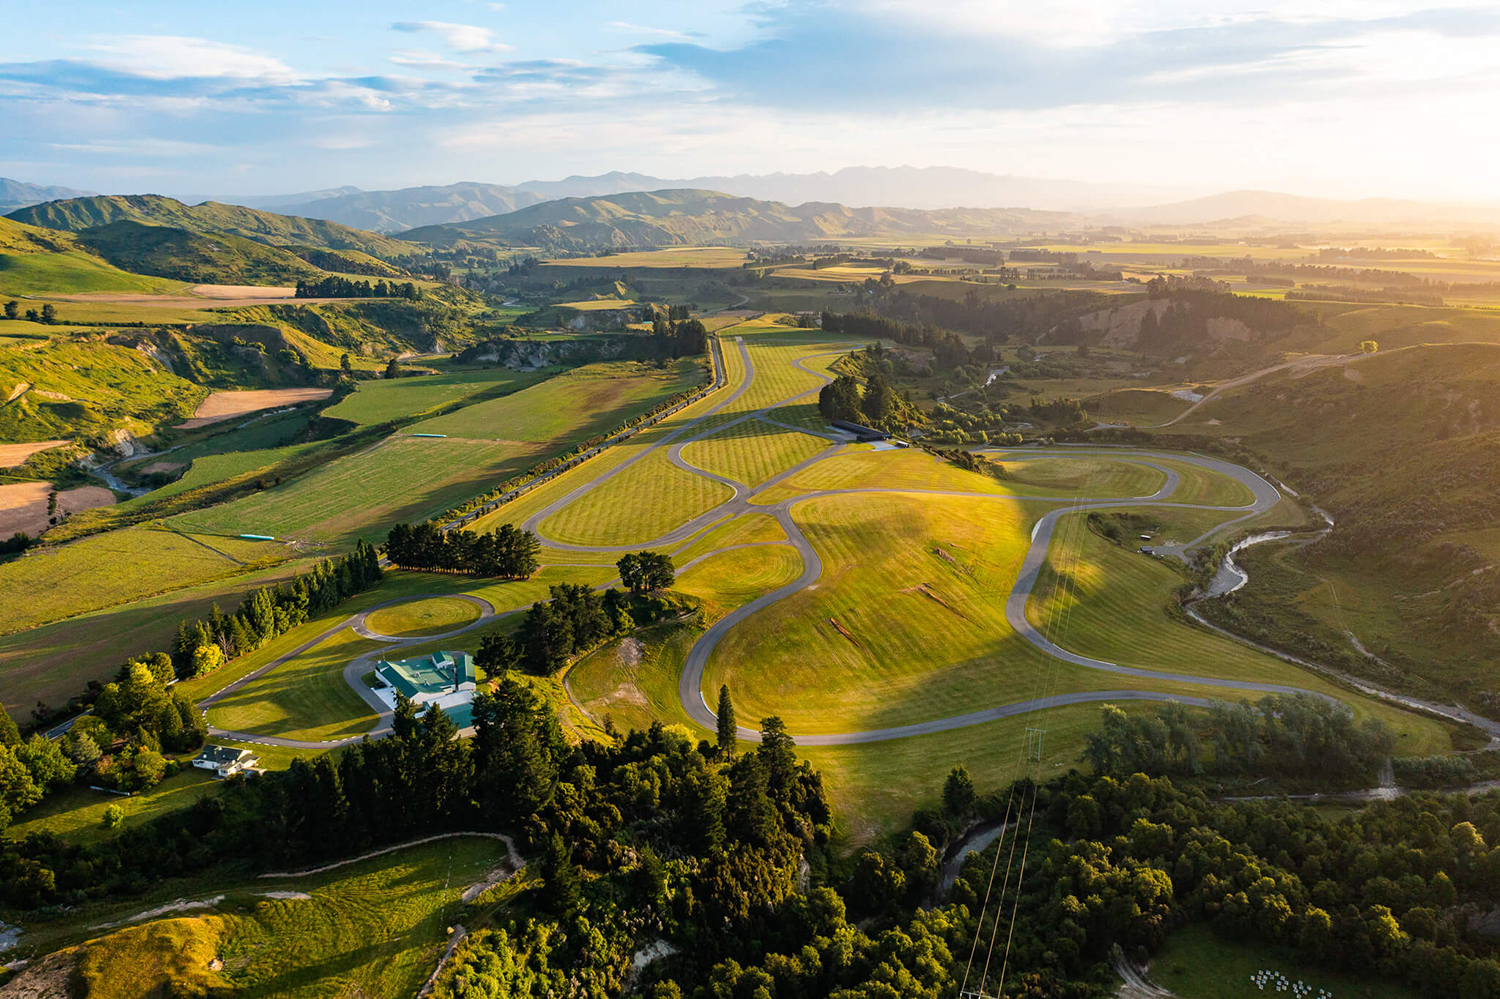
(1017, 317)
(48, 314)
(573, 620)
(1345, 293)
(644, 571)
(28, 770)
(877, 403)
(1297, 735)
(948, 351)
(1063, 412)
(16, 543)
(335, 286)
(675, 337)
(506, 553)
(203, 646)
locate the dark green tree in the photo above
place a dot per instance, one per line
(393, 369)
(346, 367)
(840, 399)
(12, 309)
(958, 791)
(49, 313)
(561, 891)
(727, 737)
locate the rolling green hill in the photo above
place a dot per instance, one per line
(693, 217)
(1399, 447)
(187, 256)
(41, 260)
(208, 218)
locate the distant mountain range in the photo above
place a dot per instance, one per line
(18, 194)
(269, 228)
(692, 217)
(1271, 206)
(901, 187)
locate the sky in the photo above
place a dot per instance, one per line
(1348, 98)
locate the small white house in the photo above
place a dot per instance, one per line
(225, 761)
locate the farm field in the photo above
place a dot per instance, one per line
(221, 406)
(570, 407)
(361, 495)
(641, 503)
(87, 575)
(377, 401)
(753, 451)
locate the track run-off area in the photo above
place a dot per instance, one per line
(766, 411)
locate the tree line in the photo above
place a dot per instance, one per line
(335, 286)
(1295, 735)
(505, 553)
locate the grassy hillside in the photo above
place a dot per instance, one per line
(1399, 447)
(699, 218)
(39, 260)
(76, 214)
(187, 256)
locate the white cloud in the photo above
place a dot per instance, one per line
(458, 37)
(422, 59)
(165, 57)
(641, 29)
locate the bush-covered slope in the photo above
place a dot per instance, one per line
(187, 256)
(76, 214)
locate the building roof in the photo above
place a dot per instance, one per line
(433, 674)
(221, 755)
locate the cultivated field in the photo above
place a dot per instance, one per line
(227, 405)
(377, 401)
(23, 505)
(118, 568)
(306, 698)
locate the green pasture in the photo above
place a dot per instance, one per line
(1037, 474)
(1196, 963)
(729, 579)
(420, 618)
(1108, 602)
(384, 399)
(53, 662)
(1136, 406)
(747, 528)
(571, 407)
(305, 698)
(519, 510)
(77, 813)
(373, 928)
(857, 467)
(753, 451)
(72, 273)
(361, 495)
(119, 567)
(641, 503)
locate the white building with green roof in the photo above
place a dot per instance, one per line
(447, 679)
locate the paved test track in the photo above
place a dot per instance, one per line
(1264, 496)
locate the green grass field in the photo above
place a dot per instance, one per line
(118, 568)
(753, 451)
(422, 617)
(375, 928)
(1046, 476)
(729, 579)
(376, 401)
(361, 495)
(306, 698)
(73, 273)
(641, 503)
(570, 407)
(1196, 963)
